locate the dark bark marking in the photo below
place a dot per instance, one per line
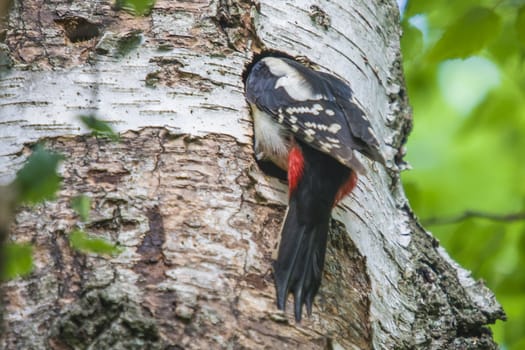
(151, 246)
(103, 176)
(78, 28)
(152, 266)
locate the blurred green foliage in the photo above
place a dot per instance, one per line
(98, 127)
(135, 7)
(465, 68)
(37, 181)
(18, 260)
(82, 205)
(81, 241)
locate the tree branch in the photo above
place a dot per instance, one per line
(473, 214)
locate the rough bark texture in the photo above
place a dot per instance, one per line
(181, 193)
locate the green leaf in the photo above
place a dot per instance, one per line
(411, 41)
(136, 7)
(82, 205)
(520, 25)
(99, 127)
(504, 49)
(18, 259)
(81, 241)
(467, 35)
(38, 179)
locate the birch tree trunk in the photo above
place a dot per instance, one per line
(199, 222)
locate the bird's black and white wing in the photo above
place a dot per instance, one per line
(317, 108)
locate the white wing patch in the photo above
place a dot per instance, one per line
(315, 109)
(334, 128)
(290, 80)
(309, 132)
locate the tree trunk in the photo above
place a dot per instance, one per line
(198, 220)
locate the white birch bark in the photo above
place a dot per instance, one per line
(181, 192)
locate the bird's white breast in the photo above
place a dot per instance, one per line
(271, 139)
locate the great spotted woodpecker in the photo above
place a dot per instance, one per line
(307, 123)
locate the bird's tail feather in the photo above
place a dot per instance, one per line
(300, 261)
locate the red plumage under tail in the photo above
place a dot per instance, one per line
(304, 236)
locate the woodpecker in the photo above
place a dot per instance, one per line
(307, 123)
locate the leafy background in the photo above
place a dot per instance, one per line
(465, 72)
